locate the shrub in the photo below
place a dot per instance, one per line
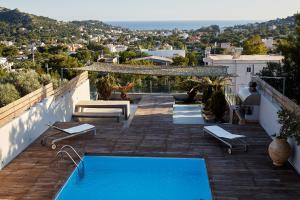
(56, 83)
(105, 86)
(45, 79)
(207, 93)
(218, 104)
(290, 122)
(26, 82)
(8, 94)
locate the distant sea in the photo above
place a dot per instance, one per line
(181, 25)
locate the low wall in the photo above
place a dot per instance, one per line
(19, 133)
(268, 119)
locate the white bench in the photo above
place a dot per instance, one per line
(123, 105)
(96, 115)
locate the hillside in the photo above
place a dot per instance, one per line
(25, 28)
(277, 28)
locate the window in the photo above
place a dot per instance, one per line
(249, 69)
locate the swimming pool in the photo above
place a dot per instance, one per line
(138, 178)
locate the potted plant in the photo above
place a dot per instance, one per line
(124, 90)
(279, 149)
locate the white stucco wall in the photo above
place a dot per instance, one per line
(18, 134)
(268, 119)
(268, 115)
(240, 69)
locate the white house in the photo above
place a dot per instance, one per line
(4, 64)
(184, 35)
(225, 45)
(121, 48)
(242, 67)
(164, 53)
(7, 43)
(269, 42)
(167, 47)
(116, 48)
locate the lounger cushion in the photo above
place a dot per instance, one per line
(220, 132)
(80, 128)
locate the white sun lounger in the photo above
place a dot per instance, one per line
(226, 137)
(69, 133)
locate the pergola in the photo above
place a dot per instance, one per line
(199, 71)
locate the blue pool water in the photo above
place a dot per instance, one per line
(138, 178)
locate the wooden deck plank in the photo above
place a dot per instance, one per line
(37, 174)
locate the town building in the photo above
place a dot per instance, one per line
(243, 67)
(165, 53)
(113, 60)
(157, 60)
(226, 45)
(116, 48)
(269, 42)
(74, 47)
(4, 64)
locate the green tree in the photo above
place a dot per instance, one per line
(125, 56)
(24, 65)
(3, 74)
(180, 61)
(59, 61)
(83, 55)
(98, 47)
(57, 49)
(25, 81)
(193, 58)
(8, 94)
(1, 48)
(291, 69)
(290, 49)
(10, 51)
(254, 45)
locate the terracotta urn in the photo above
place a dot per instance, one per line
(279, 151)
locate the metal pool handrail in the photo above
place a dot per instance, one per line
(69, 146)
(59, 152)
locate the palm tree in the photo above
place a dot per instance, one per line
(217, 83)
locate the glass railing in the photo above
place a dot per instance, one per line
(231, 94)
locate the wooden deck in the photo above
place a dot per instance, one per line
(37, 174)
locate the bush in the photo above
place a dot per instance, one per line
(207, 93)
(105, 86)
(56, 83)
(290, 122)
(8, 94)
(45, 79)
(25, 82)
(218, 104)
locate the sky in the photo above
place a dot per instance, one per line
(157, 10)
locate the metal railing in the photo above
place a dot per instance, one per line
(275, 95)
(62, 151)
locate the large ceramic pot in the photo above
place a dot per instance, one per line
(279, 151)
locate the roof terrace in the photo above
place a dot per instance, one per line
(37, 174)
